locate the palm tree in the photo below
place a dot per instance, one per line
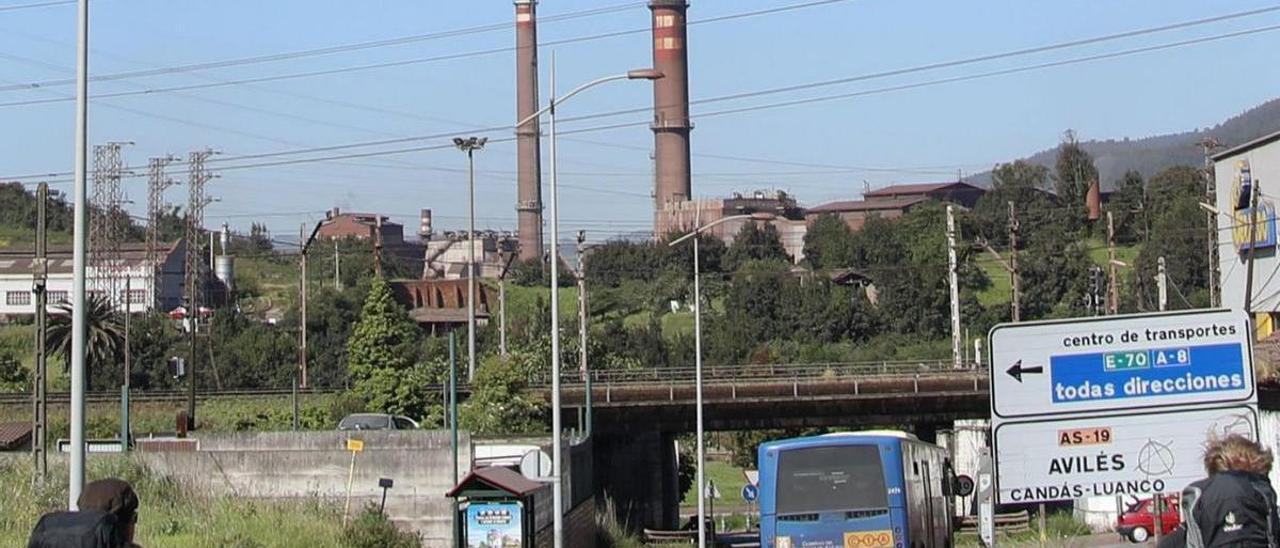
(105, 340)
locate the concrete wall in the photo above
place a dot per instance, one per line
(315, 464)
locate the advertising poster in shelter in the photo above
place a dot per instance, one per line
(494, 525)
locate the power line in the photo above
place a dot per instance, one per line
(34, 5)
(415, 61)
(824, 83)
(753, 108)
(315, 52)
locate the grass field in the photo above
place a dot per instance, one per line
(171, 515)
(1001, 288)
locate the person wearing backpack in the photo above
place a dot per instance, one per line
(107, 518)
(1235, 506)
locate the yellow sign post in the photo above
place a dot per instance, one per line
(355, 446)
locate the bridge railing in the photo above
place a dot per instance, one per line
(758, 372)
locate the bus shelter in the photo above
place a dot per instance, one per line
(499, 508)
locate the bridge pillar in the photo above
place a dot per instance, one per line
(638, 471)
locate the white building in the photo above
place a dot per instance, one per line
(17, 277)
(446, 258)
(1236, 170)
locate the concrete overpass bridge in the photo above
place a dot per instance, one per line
(639, 413)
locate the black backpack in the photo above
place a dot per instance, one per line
(84, 529)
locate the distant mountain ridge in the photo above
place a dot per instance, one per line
(1149, 155)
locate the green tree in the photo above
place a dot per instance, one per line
(1073, 173)
(828, 243)
(754, 243)
(1023, 184)
(1127, 208)
(1178, 235)
(104, 341)
(382, 350)
(499, 403)
(13, 376)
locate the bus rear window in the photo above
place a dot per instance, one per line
(824, 479)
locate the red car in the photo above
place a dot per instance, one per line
(1138, 522)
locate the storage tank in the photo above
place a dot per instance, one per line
(224, 269)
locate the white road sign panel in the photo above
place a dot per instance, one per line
(1155, 452)
(1146, 361)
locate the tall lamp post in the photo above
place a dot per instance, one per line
(699, 228)
(470, 145)
(557, 494)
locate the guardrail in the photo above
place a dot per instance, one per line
(163, 395)
(756, 372)
(718, 374)
(1017, 522)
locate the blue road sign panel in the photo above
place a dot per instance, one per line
(750, 492)
(1156, 372)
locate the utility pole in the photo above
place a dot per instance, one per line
(470, 145)
(196, 201)
(337, 267)
(80, 210)
(107, 220)
(1162, 282)
(378, 245)
(302, 292)
(582, 328)
(1113, 289)
(157, 182)
(1207, 146)
(502, 304)
(40, 430)
(1256, 188)
(956, 352)
(1015, 279)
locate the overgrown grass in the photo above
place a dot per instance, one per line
(1061, 528)
(19, 341)
(171, 514)
(728, 479)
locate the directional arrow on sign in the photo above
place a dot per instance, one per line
(1017, 370)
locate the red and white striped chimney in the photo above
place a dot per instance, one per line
(528, 162)
(671, 124)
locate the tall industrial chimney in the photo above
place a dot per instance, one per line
(528, 163)
(670, 103)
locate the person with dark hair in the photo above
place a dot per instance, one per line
(107, 518)
(116, 497)
(1235, 505)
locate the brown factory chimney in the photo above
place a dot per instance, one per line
(670, 103)
(528, 163)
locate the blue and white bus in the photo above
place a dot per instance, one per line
(863, 489)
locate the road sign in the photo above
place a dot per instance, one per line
(750, 492)
(1125, 363)
(753, 476)
(1110, 456)
(355, 446)
(1116, 406)
(536, 465)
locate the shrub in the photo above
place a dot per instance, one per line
(372, 530)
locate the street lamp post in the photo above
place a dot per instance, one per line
(470, 145)
(557, 492)
(699, 228)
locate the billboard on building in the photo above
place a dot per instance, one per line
(1237, 172)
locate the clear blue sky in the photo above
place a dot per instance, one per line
(928, 133)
